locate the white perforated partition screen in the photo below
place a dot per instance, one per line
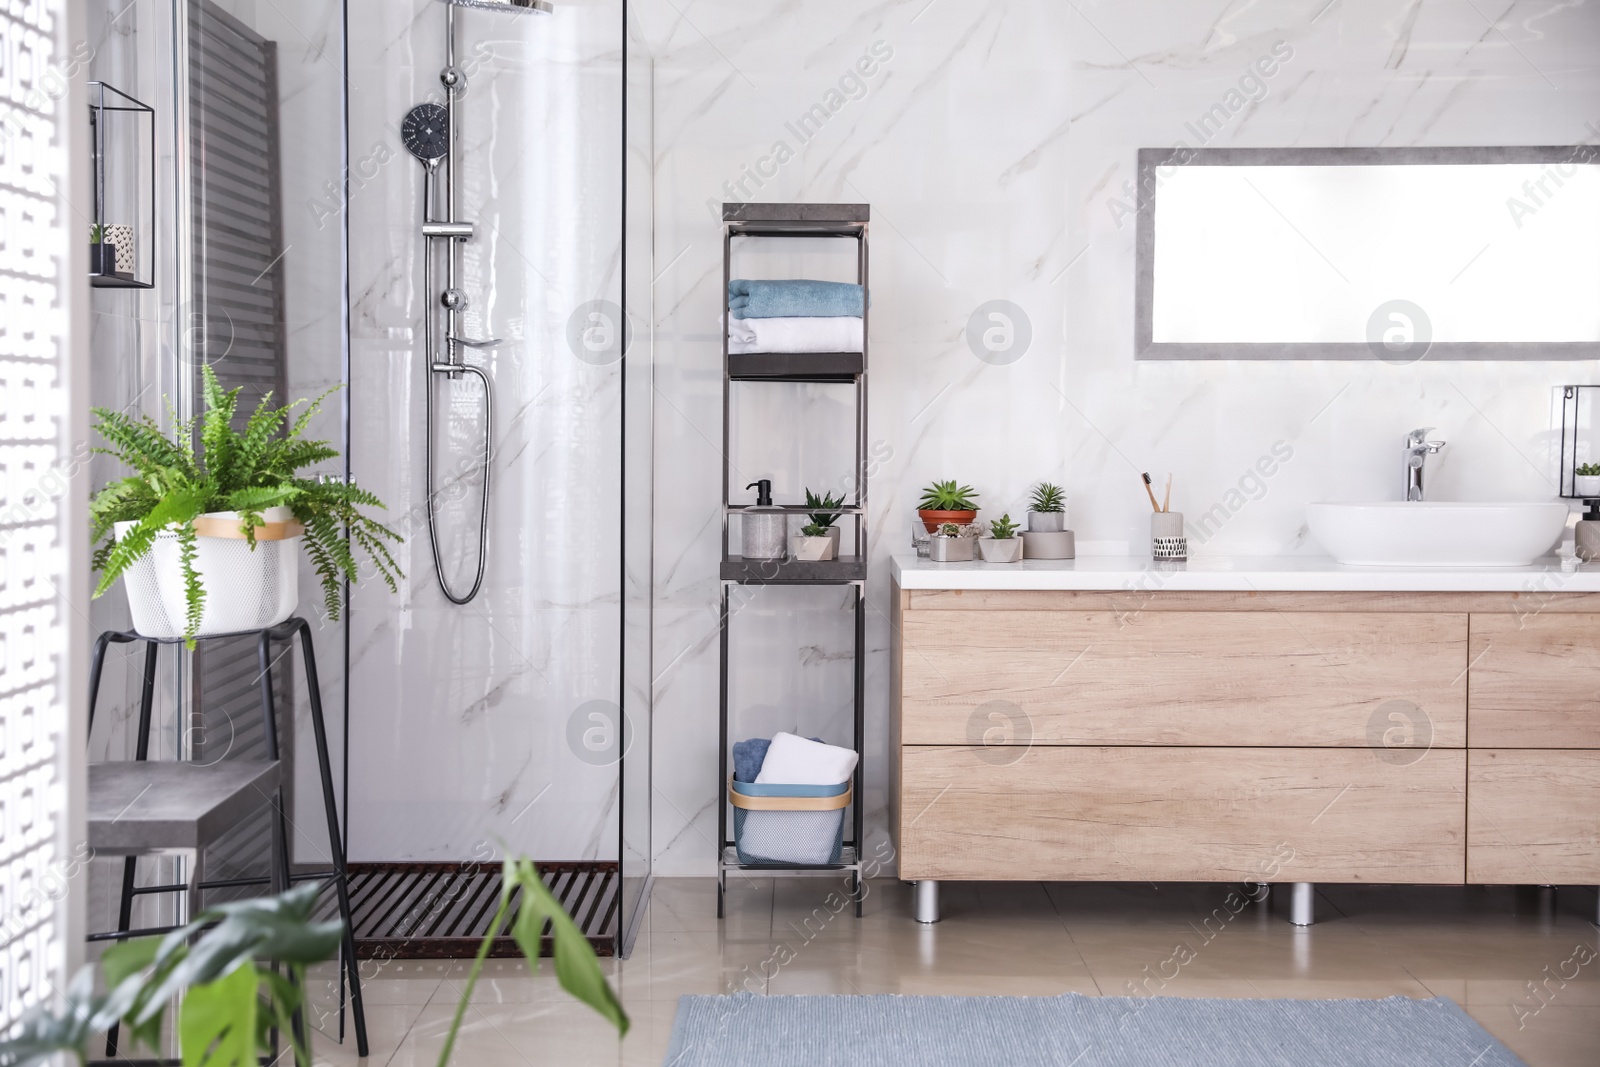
(39, 512)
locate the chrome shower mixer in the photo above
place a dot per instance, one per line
(428, 132)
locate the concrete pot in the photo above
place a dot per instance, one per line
(996, 550)
(811, 548)
(1049, 544)
(951, 549)
(1047, 521)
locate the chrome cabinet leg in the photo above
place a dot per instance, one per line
(1302, 903)
(927, 901)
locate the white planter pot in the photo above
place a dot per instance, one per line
(811, 549)
(122, 236)
(245, 589)
(1047, 521)
(995, 550)
(1586, 485)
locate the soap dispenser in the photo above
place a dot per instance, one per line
(765, 527)
(1586, 533)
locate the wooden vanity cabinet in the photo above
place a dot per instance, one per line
(1187, 736)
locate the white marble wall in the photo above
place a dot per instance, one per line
(992, 142)
(460, 715)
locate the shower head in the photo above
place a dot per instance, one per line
(425, 132)
(542, 7)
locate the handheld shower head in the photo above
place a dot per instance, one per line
(542, 7)
(425, 131)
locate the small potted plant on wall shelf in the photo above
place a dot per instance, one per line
(1586, 481)
(207, 540)
(1003, 545)
(812, 544)
(1047, 509)
(102, 253)
(825, 516)
(947, 502)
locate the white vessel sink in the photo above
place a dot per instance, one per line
(1437, 534)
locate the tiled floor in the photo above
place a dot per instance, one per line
(1485, 948)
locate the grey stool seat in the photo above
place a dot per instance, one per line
(138, 808)
(143, 806)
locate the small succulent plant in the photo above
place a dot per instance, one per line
(1588, 470)
(1003, 529)
(824, 516)
(814, 529)
(948, 496)
(97, 234)
(1047, 498)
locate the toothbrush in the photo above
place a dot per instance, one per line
(1151, 493)
(1166, 498)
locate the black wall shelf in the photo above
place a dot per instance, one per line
(122, 207)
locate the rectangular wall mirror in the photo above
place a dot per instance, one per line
(1368, 253)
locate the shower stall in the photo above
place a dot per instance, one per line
(288, 257)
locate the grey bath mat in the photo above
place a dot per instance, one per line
(745, 1030)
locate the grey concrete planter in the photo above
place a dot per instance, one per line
(1047, 521)
(951, 549)
(996, 550)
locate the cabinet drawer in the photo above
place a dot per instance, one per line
(1230, 678)
(1533, 816)
(1535, 681)
(1182, 814)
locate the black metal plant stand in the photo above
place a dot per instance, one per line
(849, 368)
(284, 631)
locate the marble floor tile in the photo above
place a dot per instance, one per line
(1473, 947)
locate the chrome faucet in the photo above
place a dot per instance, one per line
(1418, 449)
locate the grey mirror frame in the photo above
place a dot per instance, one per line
(1152, 159)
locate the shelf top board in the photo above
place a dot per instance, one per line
(841, 214)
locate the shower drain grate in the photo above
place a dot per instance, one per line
(430, 911)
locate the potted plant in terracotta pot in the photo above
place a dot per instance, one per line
(1586, 481)
(944, 502)
(812, 544)
(208, 540)
(1002, 545)
(1047, 509)
(825, 516)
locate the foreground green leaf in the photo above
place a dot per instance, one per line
(217, 1023)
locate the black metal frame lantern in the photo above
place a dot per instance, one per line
(122, 152)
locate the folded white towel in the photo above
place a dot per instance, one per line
(792, 760)
(823, 334)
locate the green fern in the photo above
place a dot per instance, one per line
(246, 472)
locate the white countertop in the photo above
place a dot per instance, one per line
(1234, 573)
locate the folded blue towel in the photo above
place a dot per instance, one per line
(748, 756)
(793, 299)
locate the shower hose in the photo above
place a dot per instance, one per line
(450, 368)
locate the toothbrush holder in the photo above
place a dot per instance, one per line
(1167, 541)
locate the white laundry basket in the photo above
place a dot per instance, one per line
(245, 589)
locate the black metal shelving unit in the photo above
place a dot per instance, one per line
(850, 222)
